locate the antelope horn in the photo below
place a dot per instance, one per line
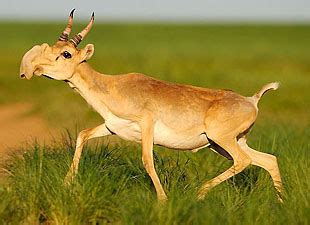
(80, 36)
(65, 34)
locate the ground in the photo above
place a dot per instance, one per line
(19, 126)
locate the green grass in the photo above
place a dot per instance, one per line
(112, 186)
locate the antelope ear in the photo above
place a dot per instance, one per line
(87, 52)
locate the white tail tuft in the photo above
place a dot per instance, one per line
(265, 88)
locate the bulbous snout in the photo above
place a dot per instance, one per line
(27, 67)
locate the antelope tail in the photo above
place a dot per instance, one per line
(264, 89)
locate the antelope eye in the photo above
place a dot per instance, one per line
(67, 55)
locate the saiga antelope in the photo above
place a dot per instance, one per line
(151, 111)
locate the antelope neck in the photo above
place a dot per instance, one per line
(86, 79)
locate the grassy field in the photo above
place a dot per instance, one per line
(112, 186)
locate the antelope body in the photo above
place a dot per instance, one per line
(143, 109)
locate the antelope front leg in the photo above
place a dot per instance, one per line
(83, 136)
(147, 133)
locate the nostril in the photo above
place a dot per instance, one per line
(22, 75)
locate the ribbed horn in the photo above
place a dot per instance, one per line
(80, 36)
(65, 34)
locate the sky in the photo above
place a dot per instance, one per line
(160, 10)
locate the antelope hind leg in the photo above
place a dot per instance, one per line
(267, 162)
(241, 161)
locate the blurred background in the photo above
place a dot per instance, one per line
(238, 45)
(172, 10)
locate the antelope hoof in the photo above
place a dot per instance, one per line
(280, 199)
(201, 196)
(162, 198)
(68, 179)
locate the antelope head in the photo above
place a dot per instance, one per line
(60, 60)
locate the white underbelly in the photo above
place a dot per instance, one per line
(163, 135)
(125, 129)
(183, 140)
